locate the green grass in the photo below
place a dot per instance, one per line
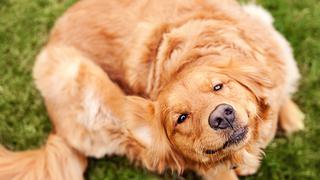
(24, 27)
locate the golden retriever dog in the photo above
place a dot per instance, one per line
(171, 84)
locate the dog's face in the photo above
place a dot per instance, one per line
(207, 115)
(209, 96)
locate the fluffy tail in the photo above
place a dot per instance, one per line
(55, 161)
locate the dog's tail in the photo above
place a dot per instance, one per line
(55, 161)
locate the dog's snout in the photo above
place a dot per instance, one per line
(222, 117)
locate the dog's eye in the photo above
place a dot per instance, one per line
(182, 118)
(217, 87)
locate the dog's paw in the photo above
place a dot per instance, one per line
(291, 118)
(246, 170)
(293, 125)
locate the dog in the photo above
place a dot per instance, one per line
(171, 84)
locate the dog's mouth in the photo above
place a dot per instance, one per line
(235, 138)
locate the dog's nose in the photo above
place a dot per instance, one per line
(222, 117)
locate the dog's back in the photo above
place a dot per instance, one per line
(110, 32)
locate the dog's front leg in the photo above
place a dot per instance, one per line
(220, 173)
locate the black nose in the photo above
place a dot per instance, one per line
(222, 117)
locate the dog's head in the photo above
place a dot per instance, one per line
(210, 95)
(209, 113)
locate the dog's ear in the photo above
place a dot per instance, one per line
(170, 50)
(144, 122)
(253, 76)
(162, 152)
(139, 114)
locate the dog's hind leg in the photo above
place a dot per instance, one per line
(85, 106)
(91, 116)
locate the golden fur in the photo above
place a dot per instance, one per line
(115, 76)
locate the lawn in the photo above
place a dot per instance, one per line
(24, 124)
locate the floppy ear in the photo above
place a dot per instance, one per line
(139, 114)
(145, 124)
(163, 154)
(252, 75)
(169, 51)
